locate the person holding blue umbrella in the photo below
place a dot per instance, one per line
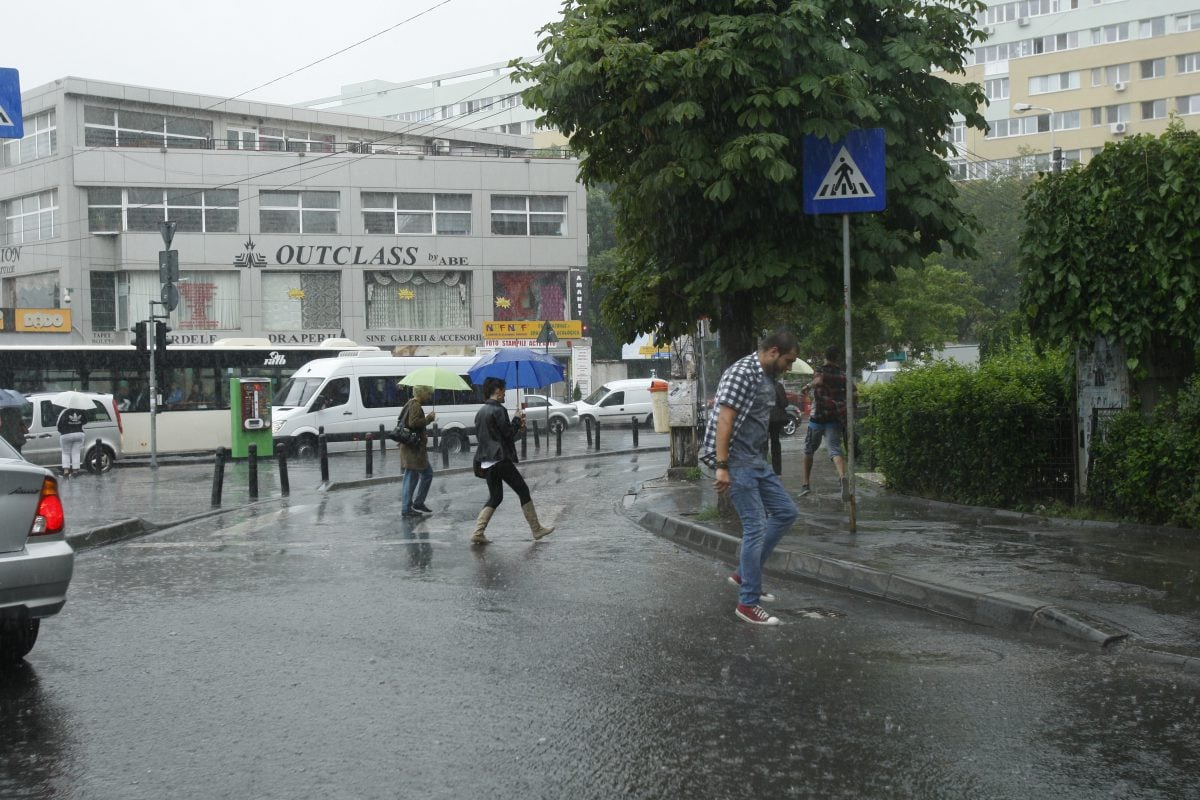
(496, 460)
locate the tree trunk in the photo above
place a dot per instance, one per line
(738, 337)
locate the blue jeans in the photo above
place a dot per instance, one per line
(766, 511)
(410, 480)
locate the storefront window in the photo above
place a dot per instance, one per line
(529, 295)
(418, 299)
(296, 301)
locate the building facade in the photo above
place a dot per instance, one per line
(481, 98)
(293, 224)
(1076, 75)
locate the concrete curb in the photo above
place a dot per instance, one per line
(992, 609)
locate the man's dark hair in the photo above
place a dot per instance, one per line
(832, 353)
(490, 385)
(784, 340)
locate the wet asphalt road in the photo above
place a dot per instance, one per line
(326, 649)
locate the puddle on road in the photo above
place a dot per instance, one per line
(810, 613)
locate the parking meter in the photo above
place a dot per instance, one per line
(250, 415)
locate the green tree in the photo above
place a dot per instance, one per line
(1113, 249)
(695, 111)
(602, 260)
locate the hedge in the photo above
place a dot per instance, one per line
(997, 434)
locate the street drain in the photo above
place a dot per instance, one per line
(811, 613)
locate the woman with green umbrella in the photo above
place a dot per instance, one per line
(418, 472)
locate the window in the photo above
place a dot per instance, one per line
(1110, 114)
(1057, 82)
(1188, 63)
(414, 299)
(529, 215)
(298, 212)
(103, 300)
(241, 139)
(110, 127)
(336, 393)
(31, 218)
(383, 391)
(416, 213)
(529, 295)
(614, 399)
(1114, 73)
(40, 141)
(1154, 109)
(31, 291)
(1189, 104)
(1111, 33)
(996, 88)
(298, 301)
(1149, 28)
(1154, 68)
(112, 210)
(1187, 22)
(209, 300)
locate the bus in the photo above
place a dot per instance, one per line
(192, 382)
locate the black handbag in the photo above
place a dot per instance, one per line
(404, 434)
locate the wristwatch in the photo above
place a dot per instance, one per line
(721, 465)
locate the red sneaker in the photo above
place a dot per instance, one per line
(763, 597)
(755, 615)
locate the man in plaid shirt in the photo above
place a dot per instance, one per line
(736, 443)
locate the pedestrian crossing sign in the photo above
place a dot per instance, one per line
(846, 176)
(12, 126)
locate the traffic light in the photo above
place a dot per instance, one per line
(161, 329)
(139, 336)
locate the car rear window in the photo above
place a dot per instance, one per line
(51, 412)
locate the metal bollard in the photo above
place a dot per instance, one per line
(370, 455)
(435, 434)
(285, 488)
(558, 442)
(218, 477)
(524, 439)
(323, 446)
(445, 448)
(597, 433)
(97, 455)
(537, 440)
(253, 463)
(634, 425)
(382, 440)
(587, 423)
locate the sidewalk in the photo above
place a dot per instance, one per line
(1119, 588)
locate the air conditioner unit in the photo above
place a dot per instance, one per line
(989, 30)
(441, 146)
(1119, 86)
(1023, 22)
(1118, 128)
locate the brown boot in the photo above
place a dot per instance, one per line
(481, 523)
(535, 527)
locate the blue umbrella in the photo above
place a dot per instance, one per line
(518, 367)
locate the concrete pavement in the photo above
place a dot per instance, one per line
(1122, 589)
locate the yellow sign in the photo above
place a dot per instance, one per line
(650, 350)
(42, 320)
(531, 329)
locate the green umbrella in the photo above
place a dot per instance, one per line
(435, 378)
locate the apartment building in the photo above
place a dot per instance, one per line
(1076, 75)
(293, 224)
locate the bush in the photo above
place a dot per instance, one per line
(989, 435)
(1148, 469)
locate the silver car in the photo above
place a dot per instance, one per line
(35, 560)
(103, 424)
(561, 415)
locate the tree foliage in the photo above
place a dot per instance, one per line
(1113, 248)
(695, 111)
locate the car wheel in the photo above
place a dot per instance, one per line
(557, 425)
(99, 460)
(17, 637)
(454, 442)
(307, 447)
(790, 428)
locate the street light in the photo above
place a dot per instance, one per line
(1055, 154)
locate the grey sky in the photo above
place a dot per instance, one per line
(226, 47)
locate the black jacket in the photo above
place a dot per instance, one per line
(497, 434)
(71, 420)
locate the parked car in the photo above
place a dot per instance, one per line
(622, 399)
(35, 560)
(103, 424)
(562, 415)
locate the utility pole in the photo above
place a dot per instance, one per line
(168, 273)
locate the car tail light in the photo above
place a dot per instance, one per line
(50, 517)
(117, 414)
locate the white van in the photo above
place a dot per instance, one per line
(355, 393)
(620, 399)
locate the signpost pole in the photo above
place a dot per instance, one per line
(850, 393)
(151, 338)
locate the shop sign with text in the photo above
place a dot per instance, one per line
(531, 329)
(39, 320)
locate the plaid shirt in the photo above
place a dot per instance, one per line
(737, 388)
